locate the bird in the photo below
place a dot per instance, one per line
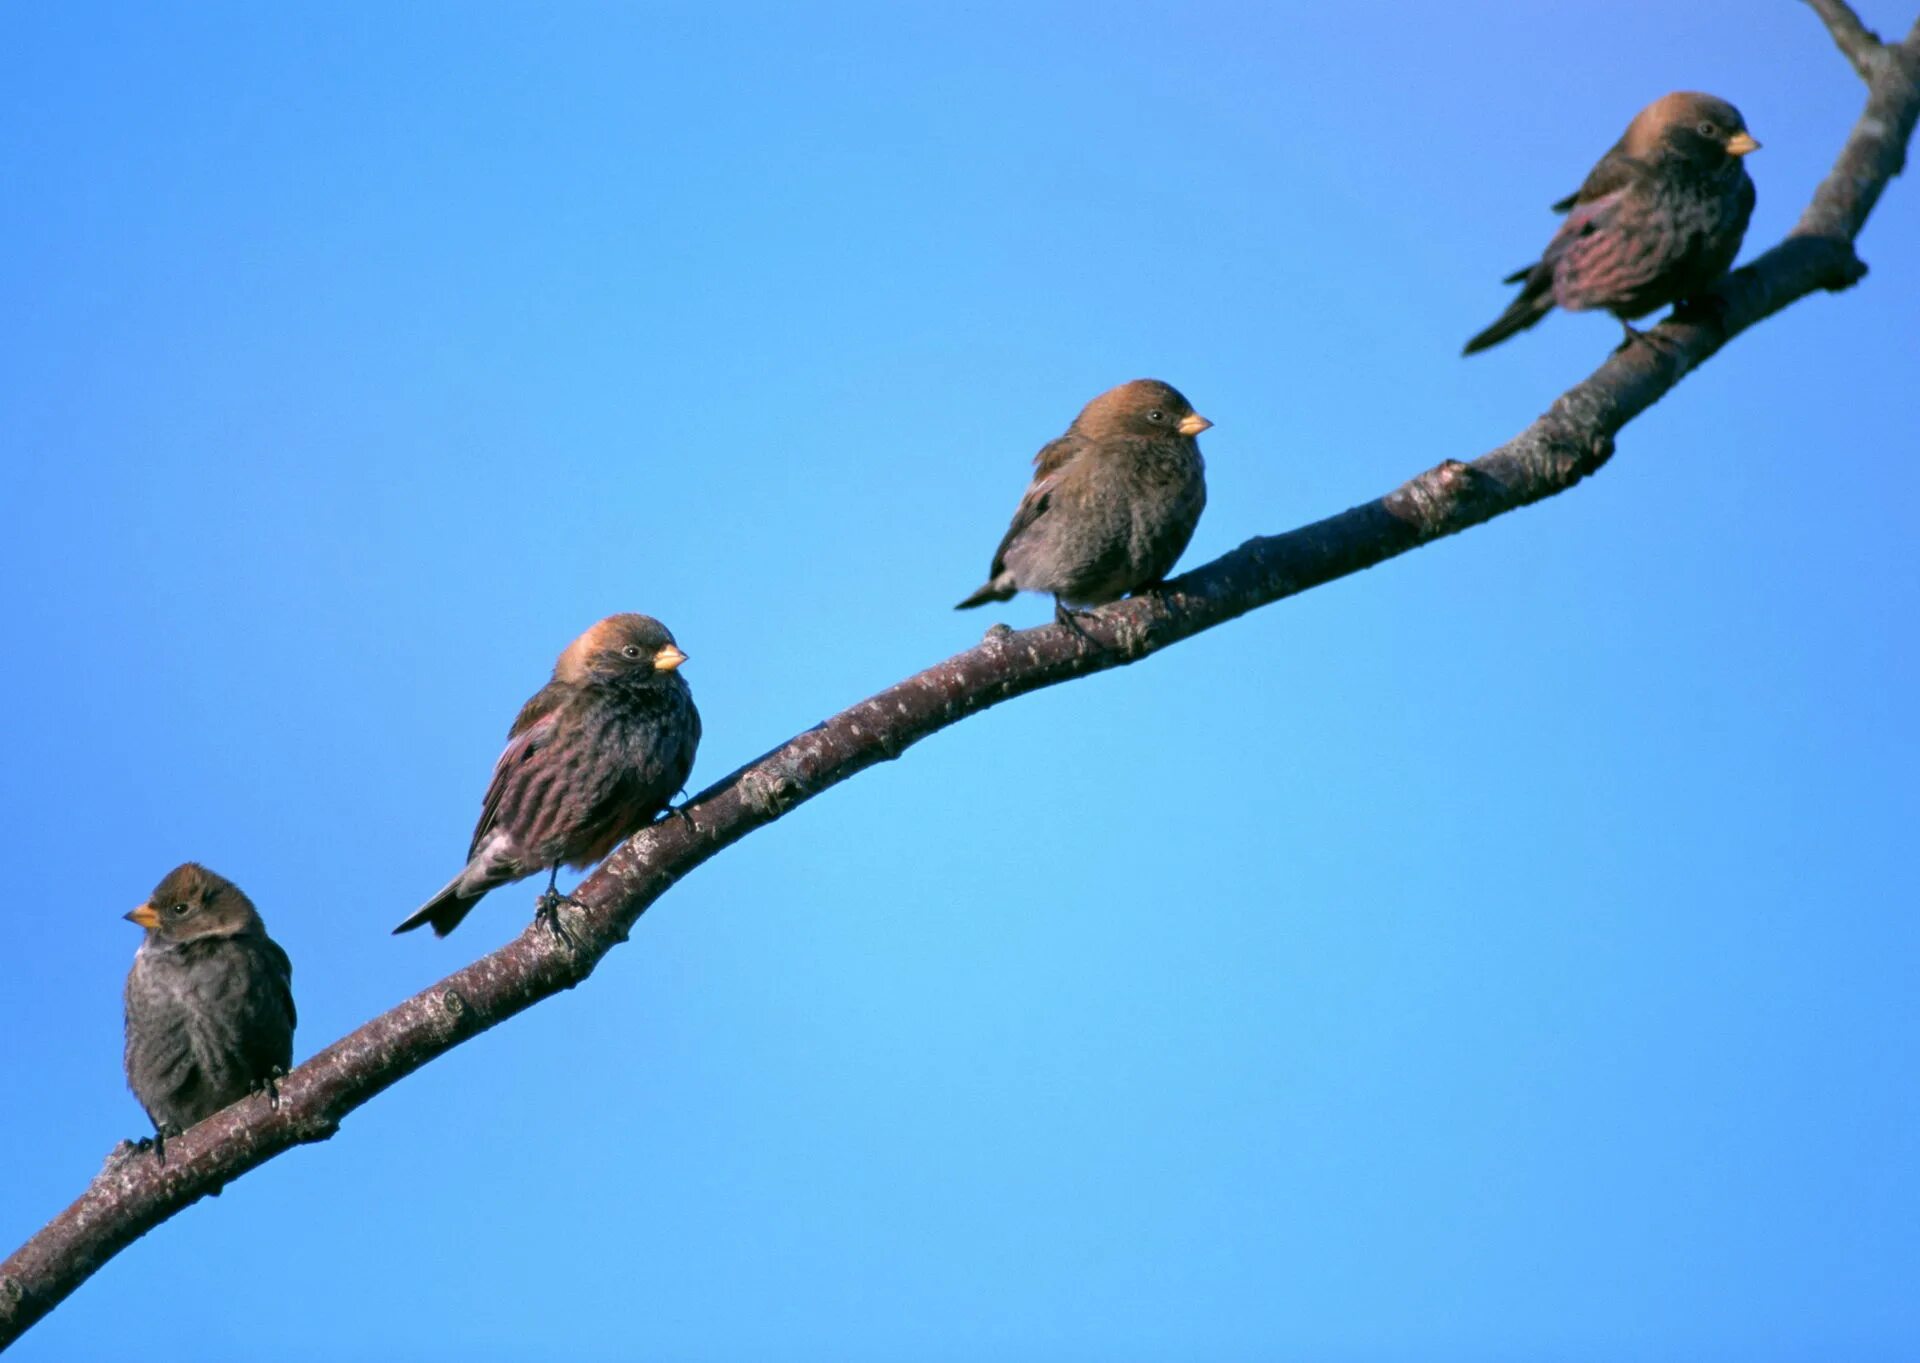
(209, 1002)
(1659, 219)
(593, 757)
(1111, 506)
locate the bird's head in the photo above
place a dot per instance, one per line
(191, 902)
(1144, 407)
(1691, 127)
(627, 646)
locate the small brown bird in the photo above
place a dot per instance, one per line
(1658, 220)
(593, 757)
(209, 1000)
(1112, 503)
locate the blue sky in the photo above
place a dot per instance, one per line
(1507, 953)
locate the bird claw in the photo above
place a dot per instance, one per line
(546, 912)
(269, 1084)
(679, 812)
(158, 1142)
(1659, 345)
(1065, 615)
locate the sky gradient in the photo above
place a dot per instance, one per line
(1505, 954)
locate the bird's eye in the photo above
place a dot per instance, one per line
(1708, 130)
(1155, 415)
(631, 651)
(182, 909)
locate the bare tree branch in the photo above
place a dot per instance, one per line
(134, 1193)
(1860, 44)
(1877, 150)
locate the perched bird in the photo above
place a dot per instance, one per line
(593, 757)
(1659, 219)
(209, 1001)
(1112, 503)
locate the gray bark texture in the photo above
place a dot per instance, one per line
(133, 1194)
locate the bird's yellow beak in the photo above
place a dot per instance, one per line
(1741, 143)
(1192, 424)
(668, 658)
(144, 916)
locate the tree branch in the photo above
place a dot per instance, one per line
(1877, 150)
(134, 1193)
(1858, 43)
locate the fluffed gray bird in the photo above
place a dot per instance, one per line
(1659, 219)
(209, 1001)
(592, 758)
(1112, 503)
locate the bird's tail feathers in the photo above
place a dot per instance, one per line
(445, 910)
(1535, 301)
(997, 590)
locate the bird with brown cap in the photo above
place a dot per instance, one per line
(1111, 506)
(594, 756)
(1659, 220)
(209, 1002)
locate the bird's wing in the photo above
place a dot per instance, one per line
(1053, 458)
(532, 731)
(1033, 505)
(1607, 250)
(1613, 173)
(542, 703)
(1586, 220)
(1056, 455)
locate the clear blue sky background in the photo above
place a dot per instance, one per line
(1508, 953)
